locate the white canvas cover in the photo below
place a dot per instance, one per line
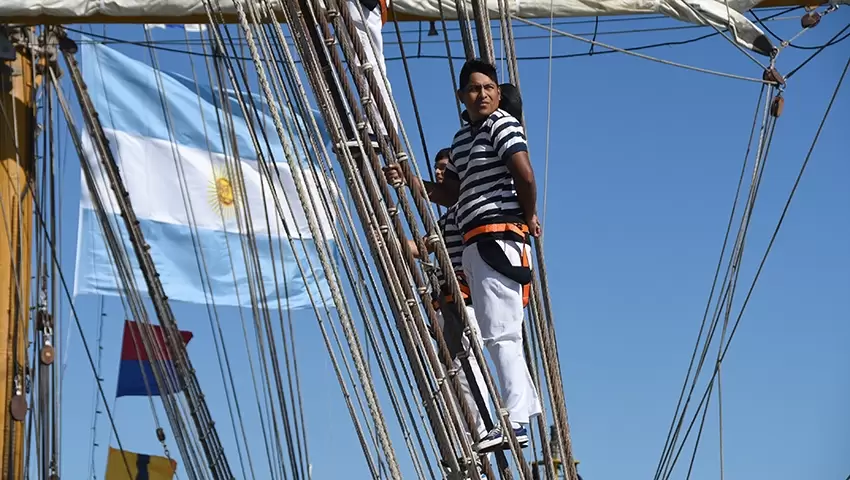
(192, 11)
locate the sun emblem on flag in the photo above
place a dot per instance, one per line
(222, 192)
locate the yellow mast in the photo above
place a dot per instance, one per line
(17, 128)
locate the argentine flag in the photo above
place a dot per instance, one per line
(182, 185)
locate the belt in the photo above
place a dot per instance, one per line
(517, 229)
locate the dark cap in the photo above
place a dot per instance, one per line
(511, 100)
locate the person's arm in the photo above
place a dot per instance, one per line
(526, 189)
(510, 144)
(445, 194)
(415, 249)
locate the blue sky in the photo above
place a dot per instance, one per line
(644, 159)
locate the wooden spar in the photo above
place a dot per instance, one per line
(231, 17)
(17, 127)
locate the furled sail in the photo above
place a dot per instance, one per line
(712, 12)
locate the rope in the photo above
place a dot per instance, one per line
(420, 205)
(716, 272)
(465, 28)
(215, 322)
(731, 26)
(301, 89)
(789, 43)
(277, 203)
(344, 13)
(360, 274)
(422, 333)
(162, 377)
(730, 277)
(412, 95)
(198, 410)
(543, 317)
(96, 399)
(640, 55)
(832, 41)
(720, 423)
(450, 58)
(55, 261)
(189, 209)
(338, 300)
(266, 88)
(786, 207)
(779, 224)
(549, 108)
(482, 29)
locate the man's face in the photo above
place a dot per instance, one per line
(481, 96)
(440, 169)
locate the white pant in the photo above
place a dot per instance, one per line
(498, 306)
(465, 389)
(369, 27)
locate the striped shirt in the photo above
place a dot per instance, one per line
(480, 162)
(454, 243)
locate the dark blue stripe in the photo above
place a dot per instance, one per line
(131, 382)
(142, 462)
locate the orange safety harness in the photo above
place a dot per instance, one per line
(383, 11)
(464, 291)
(526, 289)
(519, 230)
(508, 231)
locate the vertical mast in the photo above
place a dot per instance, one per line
(17, 127)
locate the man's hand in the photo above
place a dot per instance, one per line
(393, 174)
(534, 227)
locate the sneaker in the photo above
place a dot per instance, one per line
(521, 436)
(495, 439)
(487, 442)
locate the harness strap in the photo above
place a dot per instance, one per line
(450, 299)
(383, 11)
(466, 294)
(518, 229)
(526, 289)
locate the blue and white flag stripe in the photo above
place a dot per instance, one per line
(189, 27)
(184, 191)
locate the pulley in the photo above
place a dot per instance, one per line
(43, 319)
(810, 19)
(777, 105)
(771, 75)
(46, 356)
(18, 403)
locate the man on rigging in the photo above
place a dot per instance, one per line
(448, 319)
(369, 17)
(447, 315)
(489, 176)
